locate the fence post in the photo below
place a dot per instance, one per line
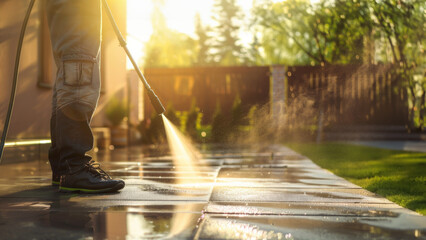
(278, 90)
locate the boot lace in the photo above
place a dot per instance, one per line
(95, 168)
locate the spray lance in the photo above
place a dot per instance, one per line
(155, 101)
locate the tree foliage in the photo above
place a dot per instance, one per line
(227, 49)
(345, 32)
(204, 43)
(166, 47)
(401, 26)
(299, 32)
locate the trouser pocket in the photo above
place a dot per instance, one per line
(78, 73)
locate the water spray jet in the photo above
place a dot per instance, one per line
(183, 153)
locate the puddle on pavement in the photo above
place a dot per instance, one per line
(97, 225)
(176, 191)
(252, 173)
(165, 174)
(171, 180)
(185, 207)
(157, 169)
(185, 222)
(69, 216)
(135, 193)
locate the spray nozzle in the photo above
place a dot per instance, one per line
(155, 101)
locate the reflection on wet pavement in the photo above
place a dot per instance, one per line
(298, 228)
(235, 193)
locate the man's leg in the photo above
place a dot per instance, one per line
(53, 151)
(75, 27)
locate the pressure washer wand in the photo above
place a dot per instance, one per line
(155, 101)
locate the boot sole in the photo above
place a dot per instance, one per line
(84, 190)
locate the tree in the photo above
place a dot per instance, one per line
(252, 54)
(204, 41)
(327, 32)
(401, 24)
(166, 47)
(227, 50)
(170, 49)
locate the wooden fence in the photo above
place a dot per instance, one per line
(346, 94)
(209, 86)
(350, 94)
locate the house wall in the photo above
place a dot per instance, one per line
(32, 107)
(113, 65)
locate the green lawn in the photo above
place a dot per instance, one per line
(399, 176)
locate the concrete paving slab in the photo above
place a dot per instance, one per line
(288, 184)
(97, 225)
(284, 177)
(276, 173)
(248, 194)
(303, 227)
(153, 193)
(306, 209)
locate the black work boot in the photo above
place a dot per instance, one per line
(89, 179)
(56, 178)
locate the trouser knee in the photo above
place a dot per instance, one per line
(78, 81)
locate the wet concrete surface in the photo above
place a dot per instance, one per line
(231, 193)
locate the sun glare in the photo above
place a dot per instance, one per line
(180, 16)
(138, 27)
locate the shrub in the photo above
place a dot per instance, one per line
(220, 126)
(192, 121)
(155, 132)
(142, 127)
(238, 117)
(251, 116)
(116, 111)
(172, 115)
